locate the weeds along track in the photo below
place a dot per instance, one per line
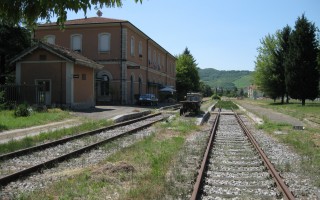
(234, 168)
(22, 163)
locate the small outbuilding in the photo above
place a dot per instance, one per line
(67, 77)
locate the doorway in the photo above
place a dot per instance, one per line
(45, 91)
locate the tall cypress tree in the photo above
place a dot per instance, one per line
(302, 75)
(280, 54)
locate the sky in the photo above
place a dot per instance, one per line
(220, 34)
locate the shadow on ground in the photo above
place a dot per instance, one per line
(93, 110)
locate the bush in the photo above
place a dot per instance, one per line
(22, 110)
(216, 97)
(2, 100)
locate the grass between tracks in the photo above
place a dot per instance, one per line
(135, 172)
(8, 121)
(305, 142)
(30, 141)
(226, 104)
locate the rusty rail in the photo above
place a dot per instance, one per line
(280, 183)
(23, 173)
(64, 140)
(197, 185)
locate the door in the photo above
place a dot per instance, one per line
(45, 91)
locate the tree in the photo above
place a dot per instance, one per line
(265, 75)
(241, 93)
(187, 77)
(205, 89)
(280, 53)
(30, 11)
(302, 75)
(12, 41)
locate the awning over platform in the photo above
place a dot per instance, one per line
(167, 89)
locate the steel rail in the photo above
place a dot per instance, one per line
(197, 185)
(47, 164)
(279, 181)
(64, 140)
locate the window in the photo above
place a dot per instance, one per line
(140, 85)
(76, 42)
(42, 57)
(104, 86)
(51, 39)
(163, 64)
(154, 57)
(132, 46)
(84, 77)
(140, 49)
(149, 55)
(104, 42)
(159, 60)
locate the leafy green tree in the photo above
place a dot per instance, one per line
(241, 93)
(302, 75)
(187, 77)
(205, 89)
(265, 75)
(13, 39)
(30, 11)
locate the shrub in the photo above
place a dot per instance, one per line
(216, 97)
(22, 110)
(2, 100)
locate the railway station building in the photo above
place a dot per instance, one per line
(124, 62)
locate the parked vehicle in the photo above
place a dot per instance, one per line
(148, 99)
(192, 103)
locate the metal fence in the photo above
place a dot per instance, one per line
(30, 94)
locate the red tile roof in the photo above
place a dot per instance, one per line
(63, 52)
(91, 20)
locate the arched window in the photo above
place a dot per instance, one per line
(140, 49)
(149, 55)
(132, 46)
(51, 39)
(131, 89)
(140, 86)
(76, 42)
(154, 57)
(163, 64)
(159, 59)
(104, 42)
(104, 86)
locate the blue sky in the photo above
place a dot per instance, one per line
(220, 34)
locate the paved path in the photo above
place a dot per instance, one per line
(108, 112)
(270, 114)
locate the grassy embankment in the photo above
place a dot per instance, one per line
(135, 172)
(305, 142)
(8, 121)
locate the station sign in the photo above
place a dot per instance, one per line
(133, 67)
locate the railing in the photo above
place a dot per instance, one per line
(30, 94)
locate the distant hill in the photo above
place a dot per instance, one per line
(226, 79)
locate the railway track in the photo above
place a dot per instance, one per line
(22, 163)
(234, 166)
